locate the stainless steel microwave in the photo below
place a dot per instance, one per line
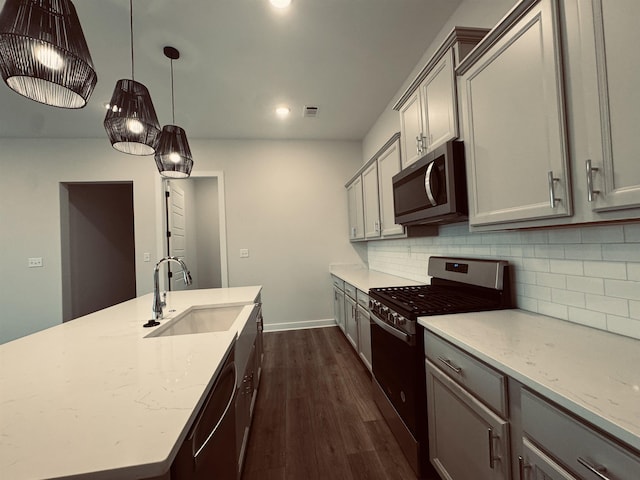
(433, 189)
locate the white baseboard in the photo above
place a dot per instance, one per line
(280, 327)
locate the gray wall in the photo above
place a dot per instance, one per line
(285, 202)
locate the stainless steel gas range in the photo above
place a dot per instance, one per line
(458, 285)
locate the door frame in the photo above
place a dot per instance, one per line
(222, 224)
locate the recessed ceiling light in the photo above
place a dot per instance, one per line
(280, 3)
(283, 112)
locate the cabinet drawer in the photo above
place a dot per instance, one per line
(484, 382)
(575, 444)
(363, 299)
(337, 282)
(350, 290)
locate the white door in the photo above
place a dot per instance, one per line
(388, 166)
(176, 233)
(411, 129)
(439, 96)
(371, 201)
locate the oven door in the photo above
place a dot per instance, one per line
(394, 354)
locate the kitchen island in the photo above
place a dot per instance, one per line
(97, 398)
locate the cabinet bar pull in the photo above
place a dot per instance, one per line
(597, 470)
(552, 190)
(492, 457)
(448, 363)
(590, 191)
(521, 467)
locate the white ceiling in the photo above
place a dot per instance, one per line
(239, 59)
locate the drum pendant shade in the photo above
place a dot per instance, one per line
(131, 121)
(43, 53)
(173, 156)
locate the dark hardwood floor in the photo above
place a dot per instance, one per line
(315, 417)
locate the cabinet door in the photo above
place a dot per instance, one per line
(338, 307)
(466, 439)
(364, 336)
(411, 129)
(440, 107)
(514, 127)
(356, 212)
(610, 92)
(535, 465)
(388, 166)
(351, 321)
(371, 201)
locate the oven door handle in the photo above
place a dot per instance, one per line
(405, 337)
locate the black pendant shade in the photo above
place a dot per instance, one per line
(43, 52)
(173, 157)
(131, 121)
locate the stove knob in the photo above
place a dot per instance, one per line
(401, 320)
(394, 318)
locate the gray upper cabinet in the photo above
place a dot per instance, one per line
(604, 74)
(388, 165)
(512, 103)
(371, 202)
(355, 209)
(429, 108)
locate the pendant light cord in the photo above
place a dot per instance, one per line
(131, 30)
(173, 106)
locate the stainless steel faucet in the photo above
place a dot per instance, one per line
(157, 303)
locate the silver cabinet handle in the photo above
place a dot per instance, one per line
(419, 144)
(552, 190)
(492, 457)
(448, 363)
(196, 453)
(590, 191)
(521, 467)
(427, 184)
(597, 470)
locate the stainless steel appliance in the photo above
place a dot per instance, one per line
(433, 189)
(397, 342)
(209, 451)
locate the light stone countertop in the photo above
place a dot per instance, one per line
(364, 279)
(593, 373)
(93, 398)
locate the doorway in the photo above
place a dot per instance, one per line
(192, 217)
(98, 246)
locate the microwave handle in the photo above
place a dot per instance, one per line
(427, 185)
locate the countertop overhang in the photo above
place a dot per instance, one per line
(93, 398)
(592, 373)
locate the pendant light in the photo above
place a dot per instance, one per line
(131, 121)
(43, 53)
(173, 156)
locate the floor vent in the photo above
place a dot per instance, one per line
(310, 111)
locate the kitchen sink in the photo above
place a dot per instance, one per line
(200, 320)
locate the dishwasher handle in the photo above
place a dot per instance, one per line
(230, 369)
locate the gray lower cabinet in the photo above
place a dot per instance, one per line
(569, 441)
(364, 329)
(466, 439)
(351, 320)
(534, 464)
(338, 302)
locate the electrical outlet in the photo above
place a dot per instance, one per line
(33, 262)
(244, 253)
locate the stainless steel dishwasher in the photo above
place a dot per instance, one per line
(209, 451)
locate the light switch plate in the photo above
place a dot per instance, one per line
(244, 253)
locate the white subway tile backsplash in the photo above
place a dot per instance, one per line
(552, 280)
(623, 326)
(622, 288)
(606, 270)
(585, 284)
(588, 318)
(603, 234)
(568, 267)
(588, 275)
(614, 306)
